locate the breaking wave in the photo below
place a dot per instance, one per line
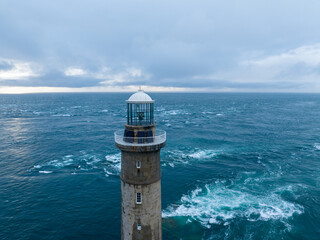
(218, 204)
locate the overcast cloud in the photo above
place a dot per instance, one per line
(245, 46)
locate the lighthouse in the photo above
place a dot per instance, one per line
(140, 143)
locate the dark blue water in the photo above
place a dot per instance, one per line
(236, 166)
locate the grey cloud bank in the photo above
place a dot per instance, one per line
(162, 45)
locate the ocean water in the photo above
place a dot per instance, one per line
(236, 166)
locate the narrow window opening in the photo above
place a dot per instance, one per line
(138, 164)
(139, 198)
(139, 226)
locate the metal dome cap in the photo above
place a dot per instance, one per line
(140, 97)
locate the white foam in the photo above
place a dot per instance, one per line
(65, 161)
(317, 146)
(84, 162)
(173, 112)
(91, 159)
(105, 110)
(176, 112)
(114, 162)
(46, 172)
(188, 157)
(202, 154)
(61, 115)
(107, 172)
(171, 165)
(114, 158)
(54, 163)
(207, 113)
(216, 204)
(36, 113)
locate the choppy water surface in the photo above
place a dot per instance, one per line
(236, 166)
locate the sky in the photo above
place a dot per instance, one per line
(170, 46)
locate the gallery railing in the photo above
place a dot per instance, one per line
(158, 138)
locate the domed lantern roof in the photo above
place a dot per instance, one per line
(140, 97)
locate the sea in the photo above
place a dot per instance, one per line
(235, 165)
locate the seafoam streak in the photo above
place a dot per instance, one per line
(218, 204)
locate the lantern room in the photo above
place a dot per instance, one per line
(140, 108)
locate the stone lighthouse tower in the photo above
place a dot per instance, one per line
(140, 145)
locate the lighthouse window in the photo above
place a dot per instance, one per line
(138, 164)
(149, 136)
(139, 198)
(141, 137)
(139, 226)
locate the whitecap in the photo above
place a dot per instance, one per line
(61, 115)
(190, 156)
(205, 113)
(91, 159)
(54, 163)
(67, 162)
(202, 154)
(37, 166)
(317, 146)
(171, 165)
(105, 110)
(36, 113)
(107, 172)
(82, 162)
(175, 112)
(46, 172)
